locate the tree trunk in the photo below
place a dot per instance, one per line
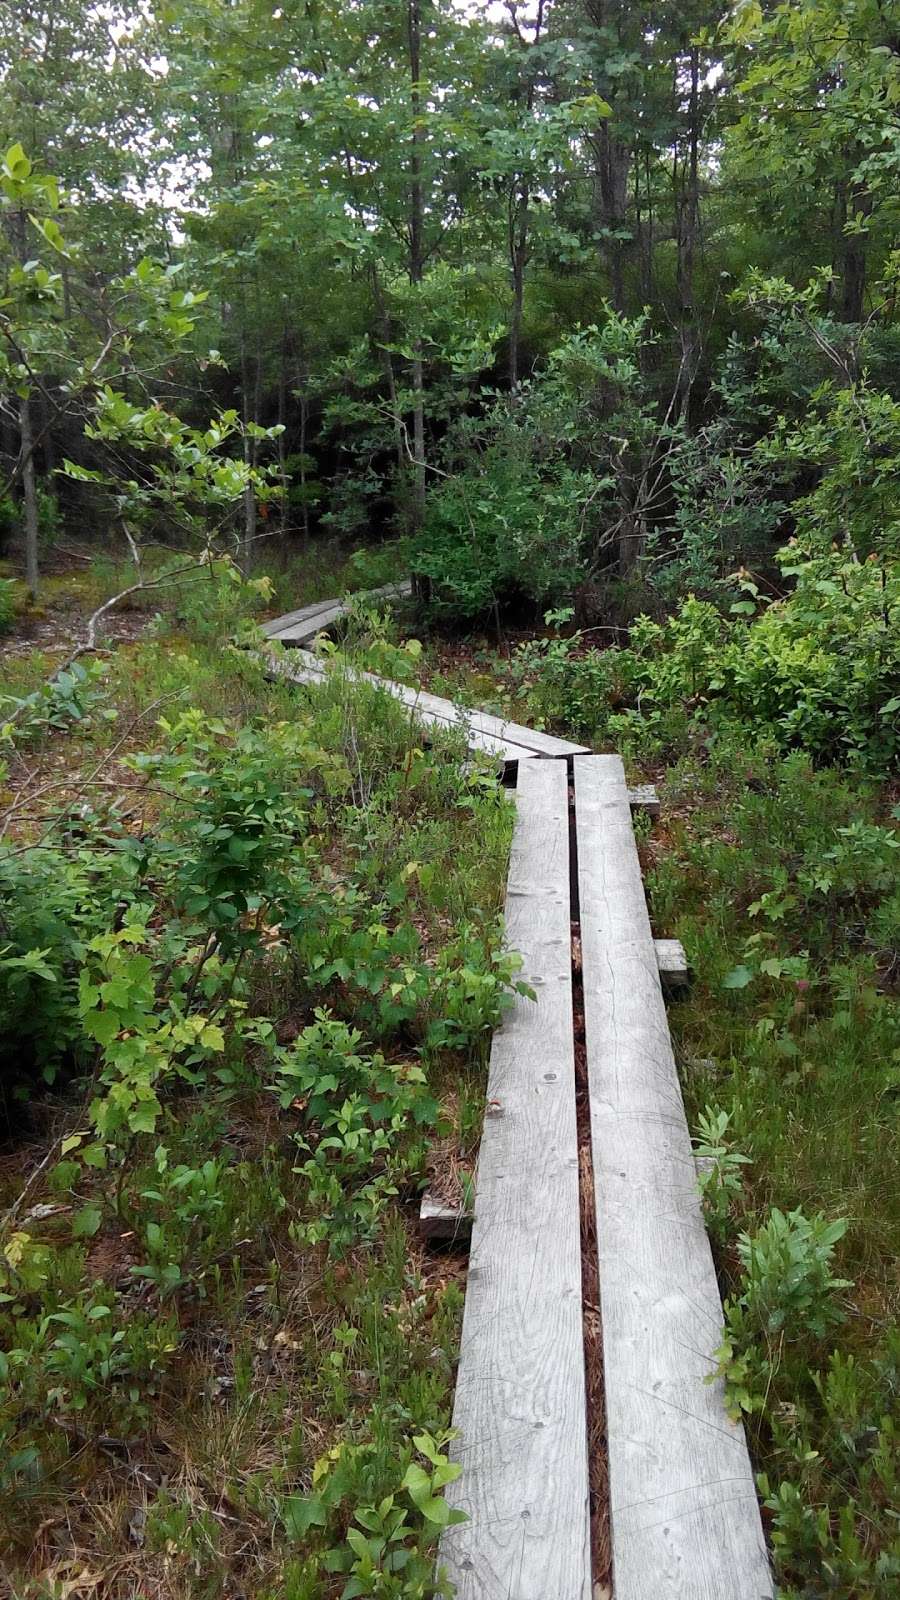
(518, 228)
(612, 161)
(416, 260)
(304, 424)
(855, 254)
(687, 214)
(518, 250)
(282, 437)
(249, 498)
(388, 365)
(29, 497)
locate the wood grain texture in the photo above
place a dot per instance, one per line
(644, 798)
(440, 1220)
(685, 1518)
(304, 630)
(520, 1400)
(291, 619)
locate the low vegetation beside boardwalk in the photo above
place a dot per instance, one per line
(250, 963)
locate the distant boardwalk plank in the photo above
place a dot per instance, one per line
(520, 1399)
(298, 627)
(685, 1518)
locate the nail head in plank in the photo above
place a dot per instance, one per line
(520, 1399)
(684, 1514)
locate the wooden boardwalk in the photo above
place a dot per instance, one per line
(491, 735)
(299, 627)
(683, 1509)
(684, 1517)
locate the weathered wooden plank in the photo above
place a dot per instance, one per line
(303, 667)
(305, 629)
(520, 1400)
(685, 1518)
(643, 797)
(674, 971)
(309, 620)
(278, 624)
(429, 709)
(440, 1220)
(433, 708)
(299, 626)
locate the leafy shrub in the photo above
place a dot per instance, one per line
(75, 697)
(57, 897)
(83, 1354)
(819, 670)
(787, 1293)
(499, 532)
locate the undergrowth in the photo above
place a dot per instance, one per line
(250, 961)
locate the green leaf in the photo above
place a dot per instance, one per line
(737, 978)
(300, 1513)
(87, 1222)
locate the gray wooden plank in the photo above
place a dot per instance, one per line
(685, 1518)
(520, 1399)
(303, 667)
(545, 744)
(437, 709)
(431, 708)
(278, 625)
(305, 629)
(298, 626)
(644, 798)
(438, 1219)
(672, 961)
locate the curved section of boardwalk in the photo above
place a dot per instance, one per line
(684, 1518)
(497, 736)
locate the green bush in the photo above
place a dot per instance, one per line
(818, 671)
(501, 531)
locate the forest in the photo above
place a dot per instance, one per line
(583, 317)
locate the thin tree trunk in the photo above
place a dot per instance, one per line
(687, 202)
(416, 260)
(282, 453)
(29, 497)
(855, 253)
(518, 250)
(518, 230)
(249, 499)
(612, 160)
(388, 365)
(304, 423)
